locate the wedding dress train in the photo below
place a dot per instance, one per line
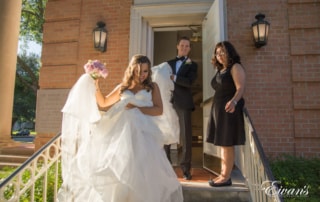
(115, 156)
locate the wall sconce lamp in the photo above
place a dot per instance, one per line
(100, 37)
(260, 30)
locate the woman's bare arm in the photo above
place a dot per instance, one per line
(110, 99)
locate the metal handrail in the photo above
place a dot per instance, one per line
(263, 157)
(256, 168)
(35, 168)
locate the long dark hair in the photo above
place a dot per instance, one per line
(136, 62)
(230, 53)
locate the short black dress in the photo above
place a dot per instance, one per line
(225, 129)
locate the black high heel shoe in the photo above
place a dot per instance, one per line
(220, 184)
(187, 176)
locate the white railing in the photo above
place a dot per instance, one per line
(38, 179)
(256, 168)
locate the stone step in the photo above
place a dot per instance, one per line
(13, 158)
(205, 193)
(19, 149)
(6, 164)
(14, 155)
(198, 189)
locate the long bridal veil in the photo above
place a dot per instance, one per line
(80, 113)
(81, 118)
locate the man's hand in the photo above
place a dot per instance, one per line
(172, 77)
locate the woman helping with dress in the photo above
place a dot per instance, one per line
(122, 159)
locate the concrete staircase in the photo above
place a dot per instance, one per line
(14, 155)
(200, 191)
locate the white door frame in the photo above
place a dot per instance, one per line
(145, 18)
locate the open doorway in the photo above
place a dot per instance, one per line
(153, 25)
(165, 49)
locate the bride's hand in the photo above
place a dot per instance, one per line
(130, 106)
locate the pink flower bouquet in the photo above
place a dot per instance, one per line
(96, 69)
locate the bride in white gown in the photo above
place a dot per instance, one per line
(116, 156)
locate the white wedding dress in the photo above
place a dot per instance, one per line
(116, 156)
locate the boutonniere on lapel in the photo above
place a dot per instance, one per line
(188, 62)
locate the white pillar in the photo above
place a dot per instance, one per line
(10, 14)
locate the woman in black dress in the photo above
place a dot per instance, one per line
(226, 124)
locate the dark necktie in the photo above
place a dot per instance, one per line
(180, 58)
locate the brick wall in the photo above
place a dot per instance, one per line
(67, 46)
(283, 77)
(67, 42)
(304, 32)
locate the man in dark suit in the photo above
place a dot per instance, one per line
(184, 74)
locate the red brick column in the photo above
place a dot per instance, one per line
(10, 12)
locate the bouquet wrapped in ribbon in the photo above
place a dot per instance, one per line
(96, 69)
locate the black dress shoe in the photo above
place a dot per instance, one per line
(187, 176)
(220, 184)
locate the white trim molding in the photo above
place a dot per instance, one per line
(146, 17)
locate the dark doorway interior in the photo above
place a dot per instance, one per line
(164, 50)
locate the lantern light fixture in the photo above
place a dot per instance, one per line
(260, 30)
(100, 37)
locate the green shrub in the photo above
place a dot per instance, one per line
(297, 173)
(5, 172)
